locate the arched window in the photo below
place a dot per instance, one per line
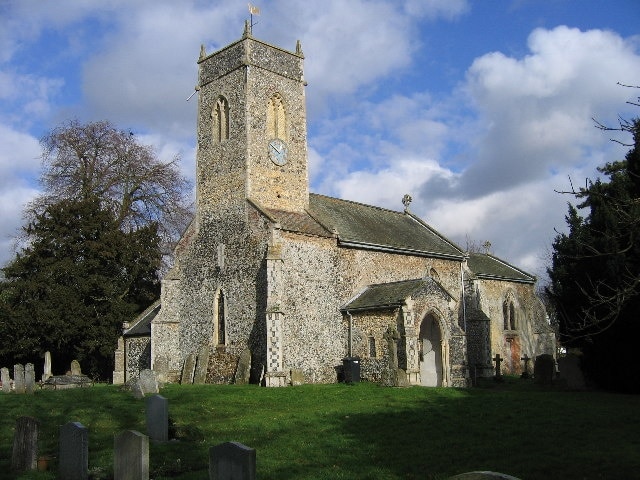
(220, 320)
(509, 314)
(276, 118)
(220, 116)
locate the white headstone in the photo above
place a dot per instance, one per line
(29, 378)
(18, 378)
(47, 366)
(5, 378)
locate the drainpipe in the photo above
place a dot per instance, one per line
(350, 334)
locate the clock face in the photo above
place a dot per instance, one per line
(278, 151)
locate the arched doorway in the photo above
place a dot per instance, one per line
(430, 340)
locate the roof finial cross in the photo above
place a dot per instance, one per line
(406, 201)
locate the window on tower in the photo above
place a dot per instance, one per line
(220, 117)
(276, 118)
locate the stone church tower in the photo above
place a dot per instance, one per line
(276, 285)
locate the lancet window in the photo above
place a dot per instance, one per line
(276, 118)
(220, 116)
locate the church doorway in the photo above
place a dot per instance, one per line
(430, 340)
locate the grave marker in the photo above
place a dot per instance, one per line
(75, 368)
(232, 461)
(29, 378)
(202, 365)
(5, 378)
(47, 366)
(25, 445)
(243, 371)
(158, 418)
(525, 371)
(18, 378)
(148, 382)
(131, 456)
(498, 360)
(188, 369)
(543, 369)
(570, 371)
(74, 452)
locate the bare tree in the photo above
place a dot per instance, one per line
(98, 159)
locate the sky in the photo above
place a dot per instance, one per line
(481, 110)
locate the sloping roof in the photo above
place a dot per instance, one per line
(364, 226)
(297, 222)
(141, 326)
(489, 267)
(389, 295)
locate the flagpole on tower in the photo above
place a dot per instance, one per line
(253, 10)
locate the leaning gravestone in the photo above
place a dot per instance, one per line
(18, 378)
(232, 461)
(188, 369)
(570, 371)
(29, 378)
(202, 365)
(25, 445)
(5, 378)
(243, 371)
(131, 456)
(157, 418)
(73, 457)
(543, 369)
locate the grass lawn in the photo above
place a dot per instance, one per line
(359, 431)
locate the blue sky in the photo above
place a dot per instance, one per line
(478, 109)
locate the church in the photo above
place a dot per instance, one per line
(275, 285)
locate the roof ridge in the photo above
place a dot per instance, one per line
(358, 203)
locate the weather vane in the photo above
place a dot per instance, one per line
(253, 10)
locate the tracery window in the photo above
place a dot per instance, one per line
(220, 116)
(276, 118)
(509, 314)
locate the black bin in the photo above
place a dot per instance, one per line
(351, 369)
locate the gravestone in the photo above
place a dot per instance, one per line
(157, 418)
(29, 378)
(148, 382)
(232, 461)
(297, 377)
(202, 365)
(569, 370)
(73, 460)
(525, 370)
(18, 378)
(5, 378)
(391, 378)
(75, 368)
(161, 367)
(47, 366)
(131, 456)
(25, 445)
(543, 369)
(243, 371)
(188, 369)
(498, 371)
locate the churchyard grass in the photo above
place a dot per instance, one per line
(360, 431)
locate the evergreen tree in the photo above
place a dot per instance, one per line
(595, 273)
(75, 282)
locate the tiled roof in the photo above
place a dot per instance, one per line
(490, 267)
(141, 326)
(387, 295)
(297, 222)
(365, 226)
